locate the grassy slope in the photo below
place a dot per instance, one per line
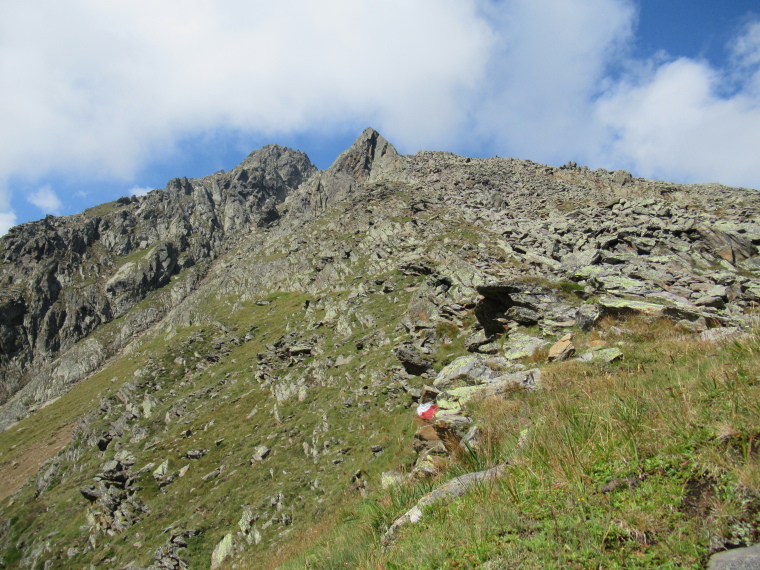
(221, 399)
(679, 419)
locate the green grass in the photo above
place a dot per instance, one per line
(678, 418)
(220, 398)
(101, 210)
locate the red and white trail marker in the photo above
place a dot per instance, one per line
(427, 410)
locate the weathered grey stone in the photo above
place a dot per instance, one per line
(212, 474)
(586, 258)
(560, 314)
(162, 470)
(477, 339)
(412, 361)
(710, 301)
(125, 458)
(91, 493)
(451, 399)
(446, 492)
(717, 291)
(737, 559)
(752, 264)
(472, 367)
(521, 345)
(490, 348)
(725, 242)
(617, 306)
(260, 452)
(428, 394)
(620, 284)
(222, 551)
(721, 334)
(587, 317)
(196, 453)
(522, 315)
(608, 354)
(511, 301)
(391, 479)
(245, 523)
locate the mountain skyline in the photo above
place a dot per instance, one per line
(110, 101)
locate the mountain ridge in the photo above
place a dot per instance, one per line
(270, 341)
(205, 214)
(261, 180)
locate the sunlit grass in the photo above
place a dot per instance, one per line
(648, 462)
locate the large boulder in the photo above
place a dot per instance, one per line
(521, 345)
(727, 241)
(450, 401)
(736, 559)
(472, 368)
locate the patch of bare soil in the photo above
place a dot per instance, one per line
(14, 473)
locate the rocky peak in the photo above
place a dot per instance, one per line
(371, 158)
(71, 274)
(290, 166)
(370, 155)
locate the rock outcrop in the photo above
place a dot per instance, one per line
(62, 278)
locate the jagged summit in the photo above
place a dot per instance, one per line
(369, 154)
(62, 277)
(290, 165)
(370, 158)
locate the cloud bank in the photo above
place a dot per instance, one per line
(46, 200)
(684, 120)
(103, 88)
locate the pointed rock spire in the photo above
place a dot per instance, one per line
(369, 155)
(371, 158)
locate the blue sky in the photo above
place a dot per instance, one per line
(102, 100)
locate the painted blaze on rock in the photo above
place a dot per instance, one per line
(427, 410)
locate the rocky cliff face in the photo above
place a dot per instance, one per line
(290, 318)
(63, 277)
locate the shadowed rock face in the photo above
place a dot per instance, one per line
(63, 277)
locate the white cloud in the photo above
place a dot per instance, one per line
(46, 200)
(551, 98)
(546, 71)
(7, 221)
(103, 85)
(675, 121)
(746, 48)
(139, 190)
